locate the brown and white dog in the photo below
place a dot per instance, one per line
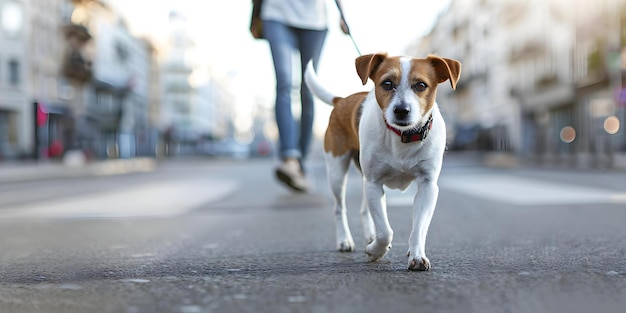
(396, 135)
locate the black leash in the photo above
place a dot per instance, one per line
(343, 18)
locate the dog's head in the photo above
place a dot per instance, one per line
(406, 87)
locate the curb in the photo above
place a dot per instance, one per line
(17, 173)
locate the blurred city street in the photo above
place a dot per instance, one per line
(219, 235)
(138, 141)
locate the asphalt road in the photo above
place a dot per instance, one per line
(222, 236)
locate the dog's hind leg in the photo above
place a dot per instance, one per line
(369, 231)
(337, 172)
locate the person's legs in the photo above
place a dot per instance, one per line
(282, 42)
(310, 43)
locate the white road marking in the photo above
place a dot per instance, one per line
(156, 199)
(515, 190)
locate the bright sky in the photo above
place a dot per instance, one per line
(220, 29)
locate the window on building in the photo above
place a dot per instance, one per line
(104, 100)
(14, 72)
(121, 51)
(8, 129)
(4, 130)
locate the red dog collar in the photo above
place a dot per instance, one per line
(415, 134)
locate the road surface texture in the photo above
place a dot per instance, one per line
(222, 236)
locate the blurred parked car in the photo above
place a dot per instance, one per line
(229, 148)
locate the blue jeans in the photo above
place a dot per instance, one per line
(284, 41)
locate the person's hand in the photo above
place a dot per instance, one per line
(344, 26)
(256, 28)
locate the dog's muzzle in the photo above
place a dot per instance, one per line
(401, 113)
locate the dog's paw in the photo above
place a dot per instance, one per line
(345, 246)
(376, 251)
(370, 234)
(418, 263)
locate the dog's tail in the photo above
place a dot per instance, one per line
(315, 86)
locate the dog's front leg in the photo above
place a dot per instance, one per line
(369, 230)
(423, 209)
(378, 209)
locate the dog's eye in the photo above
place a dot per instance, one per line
(419, 87)
(387, 85)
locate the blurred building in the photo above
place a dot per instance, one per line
(539, 77)
(187, 99)
(113, 118)
(73, 77)
(15, 111)
(58, 67)
(599, 66)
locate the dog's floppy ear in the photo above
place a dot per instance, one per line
(446, 69)
(367, 64)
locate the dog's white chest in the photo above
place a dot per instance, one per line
(395, 174)
(398, 179)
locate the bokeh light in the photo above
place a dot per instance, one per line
(568, 134)
(611, 125)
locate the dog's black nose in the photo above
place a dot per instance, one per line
(401, 111)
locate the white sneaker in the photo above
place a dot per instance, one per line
(290, 174)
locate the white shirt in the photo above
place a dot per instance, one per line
(305, 14)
